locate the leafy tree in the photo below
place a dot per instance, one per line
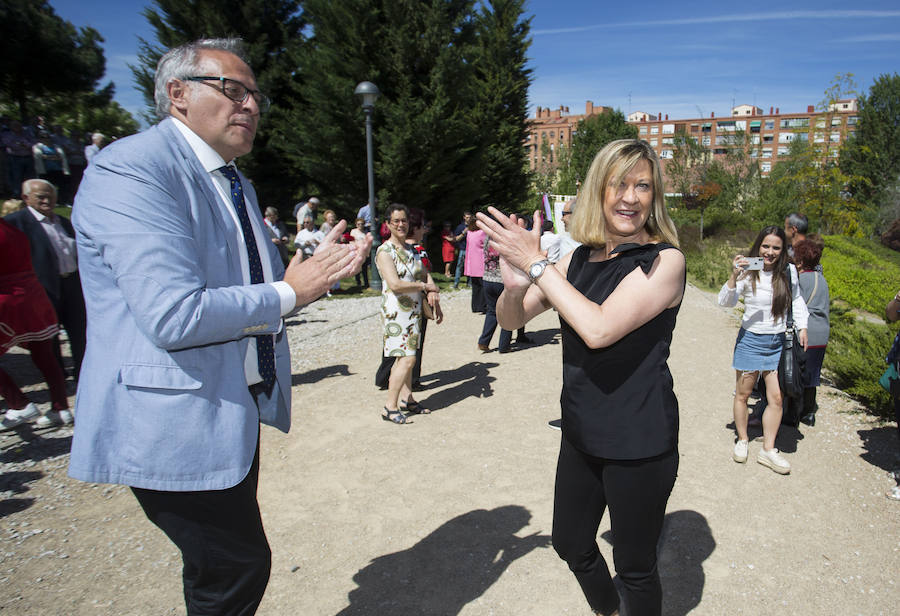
(592, 134)
(41, 53)
(87, 112)
(872, 156)
(273, 33)
(501, 80)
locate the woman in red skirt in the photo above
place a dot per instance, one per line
(27, 320)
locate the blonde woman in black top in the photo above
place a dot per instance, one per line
(617, 296)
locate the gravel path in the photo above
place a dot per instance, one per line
(451, 515)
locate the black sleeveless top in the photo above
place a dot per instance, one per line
(617, 402)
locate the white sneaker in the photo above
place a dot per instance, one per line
(740, 451)
(55, 418)
(894, 494)
(773, 460)
(18, 417)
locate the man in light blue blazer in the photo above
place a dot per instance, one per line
(186, 348)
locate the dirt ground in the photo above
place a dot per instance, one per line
(452, 514)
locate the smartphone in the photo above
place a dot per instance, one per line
(754, 263)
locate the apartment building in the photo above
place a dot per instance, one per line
(769, 134)
(550, 129)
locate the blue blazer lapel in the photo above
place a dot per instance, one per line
(219, 211)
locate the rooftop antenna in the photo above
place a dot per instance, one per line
(629, 103)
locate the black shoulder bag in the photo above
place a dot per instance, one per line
(791, 363)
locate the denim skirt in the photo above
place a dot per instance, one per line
(757, 351)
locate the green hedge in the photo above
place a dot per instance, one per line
(862, 273)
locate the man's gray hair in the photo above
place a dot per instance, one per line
(26, 185)
(183, 61)
(799, 222)
(271, 210)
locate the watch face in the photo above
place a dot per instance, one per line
(537, 269)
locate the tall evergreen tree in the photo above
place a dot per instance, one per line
(41, 53)
(272, 31)
(420, 55)
(501, 82)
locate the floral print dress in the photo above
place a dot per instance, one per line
(402, 312)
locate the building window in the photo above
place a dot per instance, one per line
(642, 130)
(654, 142)
(754, 153)
(783, 150)
(767, 152)
(668, 141)
(654, 130)
(769, 125)
(820, 123)
(741, 124)
(726, 126)
(665, 154)
(668, 129)
(852, 120)
(765, 167)
(834, 137)
(819, 137)
(836, 121)
(720, 151)
(552, 135)
(705, 140)
(707, 127)
(695, 128)
(768, 138)
(795, 123)
(785, 137)
(754, 139)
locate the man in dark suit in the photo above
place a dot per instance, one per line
(52, 240)
(189, 353)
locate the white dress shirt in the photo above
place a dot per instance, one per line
(63, 245)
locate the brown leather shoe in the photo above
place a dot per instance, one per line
(483, 348)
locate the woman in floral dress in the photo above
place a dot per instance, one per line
(404, 283)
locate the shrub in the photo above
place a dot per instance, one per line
(855, 359)
(860, 272)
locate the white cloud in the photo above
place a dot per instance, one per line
(718, 19)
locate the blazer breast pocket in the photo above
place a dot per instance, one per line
(158, 376)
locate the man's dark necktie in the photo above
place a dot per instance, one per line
(265, 347)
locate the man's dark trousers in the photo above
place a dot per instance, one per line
(220, 534)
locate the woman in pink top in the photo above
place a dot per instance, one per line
(474, 269)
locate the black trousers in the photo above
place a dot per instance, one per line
(636, 492)
(72, 316)
(223, 545)
(478, 303)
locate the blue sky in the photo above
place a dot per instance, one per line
(675, 58)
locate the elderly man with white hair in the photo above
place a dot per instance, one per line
(52, 241)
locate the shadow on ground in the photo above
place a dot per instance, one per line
(17, 483)
(472, 380)
(446, 570)
(881, 447)
(686, 542)
(313, 376)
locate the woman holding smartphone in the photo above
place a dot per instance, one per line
(768, 289)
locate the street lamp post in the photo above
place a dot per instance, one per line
(368, 92)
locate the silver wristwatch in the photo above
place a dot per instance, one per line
(537, 268)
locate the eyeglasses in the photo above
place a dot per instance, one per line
(565, 213)
(235, 91)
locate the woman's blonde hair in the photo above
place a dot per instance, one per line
(10, 206)
(610, 165)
